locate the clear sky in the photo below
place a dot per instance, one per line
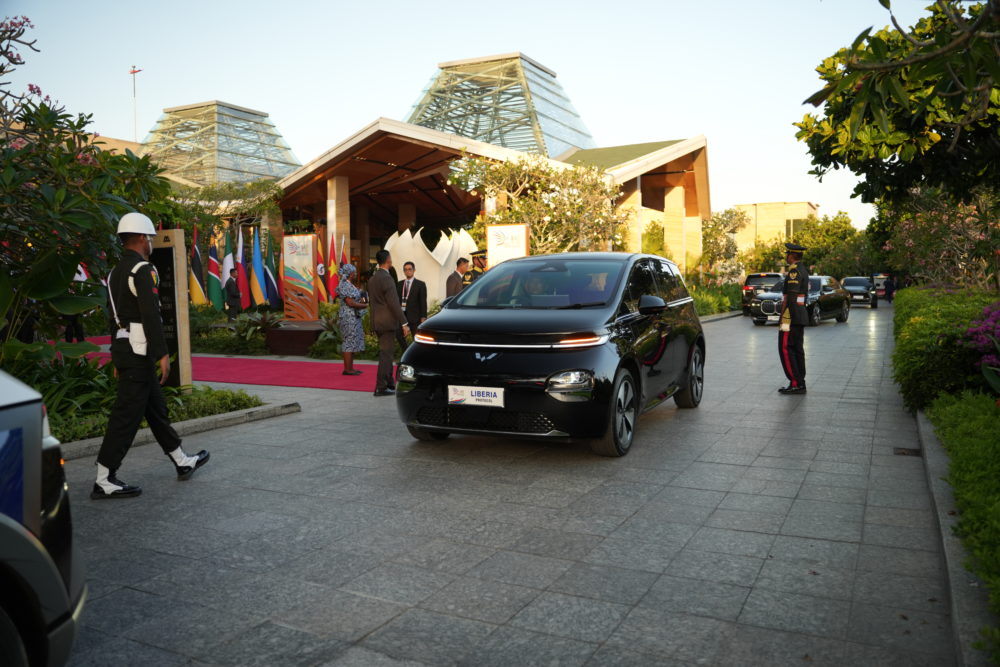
(638, 71)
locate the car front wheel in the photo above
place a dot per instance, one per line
(690, 395)
(874, 304)
(814, 316)
(622, 416)
(12, 651)
(845, 312)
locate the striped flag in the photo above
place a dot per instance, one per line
(258, 287)
(241, 271)
(332, 274)
(215, 279)
(319, 281)
(196, 285)
(344, 259)
(273, 293)
(228, 262)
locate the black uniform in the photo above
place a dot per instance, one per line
(471, 276)
(794, 318)
(139, 393)
(233, 302)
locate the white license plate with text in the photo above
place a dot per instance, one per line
(486, 396)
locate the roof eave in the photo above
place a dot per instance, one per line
(629, 170)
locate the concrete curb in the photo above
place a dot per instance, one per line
(969, 605)
(83, 448)
(721, 316)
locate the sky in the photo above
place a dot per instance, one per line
(646, 70)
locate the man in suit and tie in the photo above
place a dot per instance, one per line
(387, 316)
(453, 285)
(232, 296)
(413, 300)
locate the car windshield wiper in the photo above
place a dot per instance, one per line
(581, 305)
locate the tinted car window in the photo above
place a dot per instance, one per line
(669, 282)
(814, 283)
(545, 283)
(761, 280)
(640, 281)
(857, 282)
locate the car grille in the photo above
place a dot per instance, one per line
(486, 419)
(769, 307)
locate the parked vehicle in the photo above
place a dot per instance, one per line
(862, 290)
(879, 280)
(756, 283)
(42, 585)
(574, 345)
(826, 300)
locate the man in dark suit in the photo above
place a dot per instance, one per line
(232, 295)
(453, 285)
(413, 300)
(387, 316)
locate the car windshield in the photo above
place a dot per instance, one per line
(544, 283)
(815, 283)
(857, 282)
(757, 281)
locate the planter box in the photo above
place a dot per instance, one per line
(292, 337)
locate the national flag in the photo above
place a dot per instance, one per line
(241, 271)
(215, 279)
(228, 262)
(344, 259)
(196, 284)
(258, 287)
(82, 275)
(281, 272)
(319, 281)
(333, 273)
(273, 291)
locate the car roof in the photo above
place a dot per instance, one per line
(620, 256)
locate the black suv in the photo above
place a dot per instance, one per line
(756, 283)
(42, 585)
(862, 290)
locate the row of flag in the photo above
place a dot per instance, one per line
(257, 275)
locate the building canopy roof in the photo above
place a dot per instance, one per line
(509, 100)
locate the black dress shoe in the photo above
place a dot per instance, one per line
(384, 392)
(123, 491)
(185, 472)
(391, 387)
(792, 390)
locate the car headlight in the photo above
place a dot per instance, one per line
(572, 380)
(407, 373)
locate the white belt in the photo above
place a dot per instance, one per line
(121, 333)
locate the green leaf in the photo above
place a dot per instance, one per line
(897, 92)
(76, 350)
(6, 294)
(860, 38)
(879, 112)
(49, 276)
(857, 115)
(820, 96)
(74, 304)
(884, 3)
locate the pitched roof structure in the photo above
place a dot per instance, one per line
(508, 100)
(212, 142)
(612, 156)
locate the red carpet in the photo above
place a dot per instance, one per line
(279, 372)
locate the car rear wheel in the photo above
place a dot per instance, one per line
(759, 323)
(815, 317)
(425, 434)
(874, 304)
(690, 395)
(845, 312)
(622, 416)
(12, 650)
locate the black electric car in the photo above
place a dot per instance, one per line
(573, 345)
(862, 290)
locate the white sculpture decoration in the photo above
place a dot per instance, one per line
(432, 266)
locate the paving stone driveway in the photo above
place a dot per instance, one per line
(758, 529)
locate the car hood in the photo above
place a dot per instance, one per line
(518, 321)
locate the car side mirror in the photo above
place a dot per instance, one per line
(650, 305)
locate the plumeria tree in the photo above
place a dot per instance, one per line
(567, 208)
(60, 199)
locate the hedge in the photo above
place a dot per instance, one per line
(968, 426)
(929, 358)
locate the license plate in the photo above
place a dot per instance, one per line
(464, 395)
(857, 297)
(773, 318)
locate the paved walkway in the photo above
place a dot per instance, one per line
(758, 529)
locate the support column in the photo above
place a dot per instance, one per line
(364, 237)
(407, 217)
(338, 212)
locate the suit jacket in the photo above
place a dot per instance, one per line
(232, 293)
(386, 313)
(416, 300)
(454, 284)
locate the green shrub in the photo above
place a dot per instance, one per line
(223, 340)
(930, 357)
(200, 401)
(202, 318)
(709, 300)
(968, 426)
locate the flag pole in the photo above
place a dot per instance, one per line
(135, 124)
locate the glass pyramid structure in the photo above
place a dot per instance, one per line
(507, 100)
(213, 142)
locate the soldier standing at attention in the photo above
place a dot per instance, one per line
(138, 347)
(477, 270)
(794, 318)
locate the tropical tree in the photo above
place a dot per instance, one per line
(718, 242)
(913, 108)
(763, 256)
(567, 208)
(823, 236)
(60, 199)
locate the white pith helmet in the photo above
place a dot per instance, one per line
(136, 223)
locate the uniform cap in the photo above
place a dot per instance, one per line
(478, 253)
(794, 247)
(136, 223)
